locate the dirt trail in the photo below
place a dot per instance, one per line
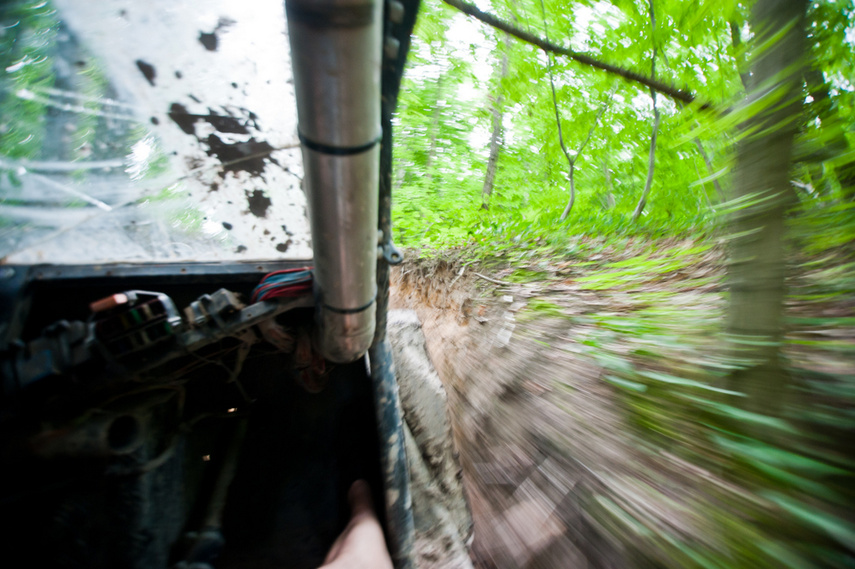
(534, 424)
(580, 400)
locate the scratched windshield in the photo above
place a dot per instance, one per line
(148, 132)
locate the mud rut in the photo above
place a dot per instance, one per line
(529, 449)
(542, 439)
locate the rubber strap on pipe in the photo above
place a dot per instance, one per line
(337, 150)
(348, 310)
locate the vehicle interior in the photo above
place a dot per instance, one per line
(206, 400)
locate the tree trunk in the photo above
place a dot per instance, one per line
(738, 53)
(651, 161)
(493, 160)
(708, 162)
(651, 164)
(433, 133)
(400, 176)
(572, 200)
(757, 269)
(496, 135)
(610, 192)
(579, 150)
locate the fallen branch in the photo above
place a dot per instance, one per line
(490, 20)
(460, 274)
(494, 281)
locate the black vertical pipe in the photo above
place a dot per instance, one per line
(398, 22)
(393, 457)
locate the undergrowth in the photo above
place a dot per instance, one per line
(669, 360)
(436, 222)
(787, 490)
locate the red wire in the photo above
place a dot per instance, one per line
(285, 271)
(291, 291)
(272, 290)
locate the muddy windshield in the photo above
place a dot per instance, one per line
(148, 132)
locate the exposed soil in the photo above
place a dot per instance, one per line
(550, 452)
(533, 424)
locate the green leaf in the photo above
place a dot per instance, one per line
(673, 380)
(625, 383)
(756, 451)
(785, 556)
(748, 417)
(843, 532)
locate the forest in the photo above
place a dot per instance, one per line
(661, 190)
(514, 139)
(630, 237)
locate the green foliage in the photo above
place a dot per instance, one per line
(787, 491)
(29, 29)
(664, 352)
(544, 306)
(442, 131)
(531, 186)
(643, 269)
(57, 105)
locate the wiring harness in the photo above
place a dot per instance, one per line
(288, 283)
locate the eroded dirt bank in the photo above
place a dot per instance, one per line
(534, 423)
(525, 444)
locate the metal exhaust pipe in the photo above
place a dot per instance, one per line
(336, 57)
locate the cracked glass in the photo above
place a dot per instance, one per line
(148, 132)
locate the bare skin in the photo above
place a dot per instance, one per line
(361, 545)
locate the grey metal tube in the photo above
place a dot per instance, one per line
(344, 237)
(336, 56)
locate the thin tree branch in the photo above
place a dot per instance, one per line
(698, 172)
(552, 85)
(596, 120)
(610, 198)
(572, 199)
(558, 115)
(702, 151)
(651, 162)
(546, 45)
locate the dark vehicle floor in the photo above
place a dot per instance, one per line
(294, 453)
